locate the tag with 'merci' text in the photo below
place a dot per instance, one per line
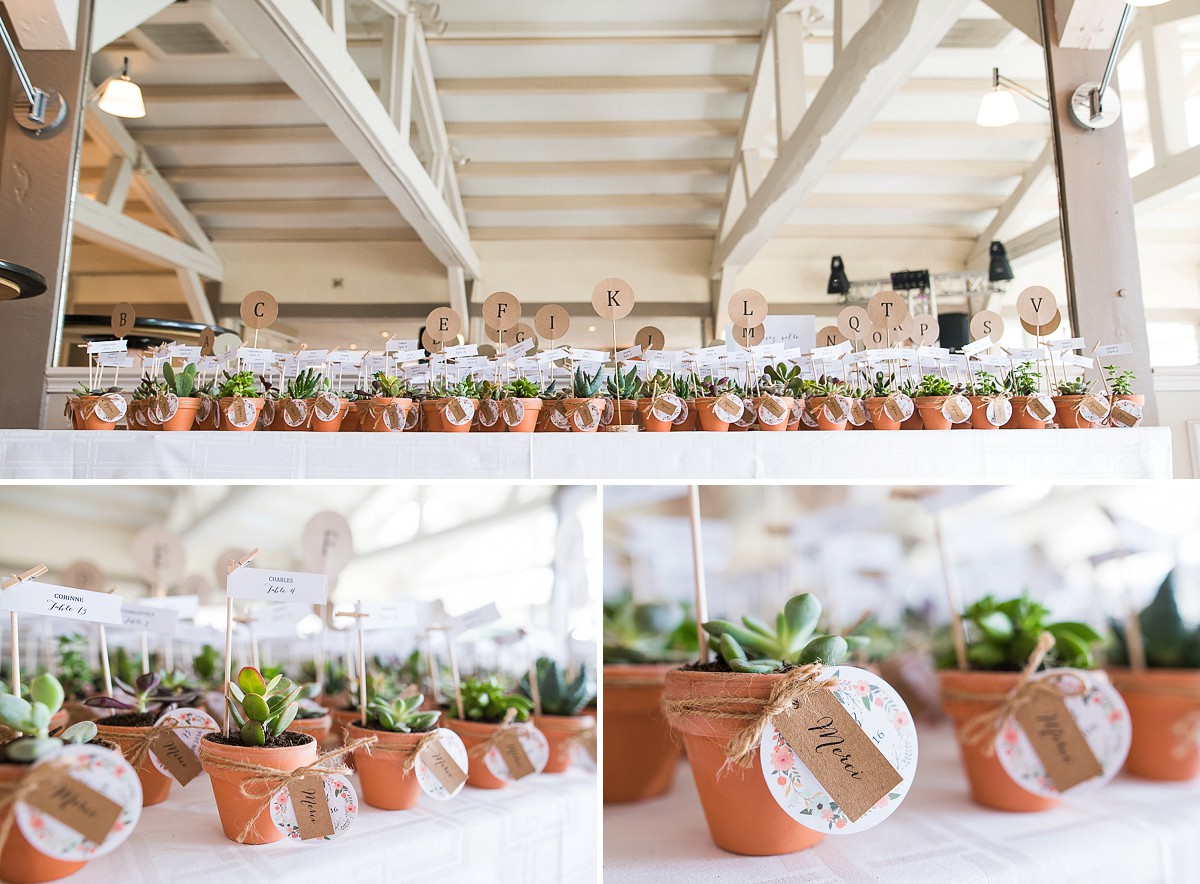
(519, 765)
(1058, 741)
(311, 807)
(177, 756)
(73, 804)
(838, 752)
(443, 767)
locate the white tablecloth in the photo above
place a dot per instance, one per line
(1131, 831)
(542, 830)
(854, 457)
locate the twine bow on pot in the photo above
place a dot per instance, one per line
(982, 729)
(493, 739)
(264, 783)
(410, 753)
(139, 743)
(790, 692)
(11, 793)
(585, 738)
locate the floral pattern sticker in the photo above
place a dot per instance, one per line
(451, 743)
(533, 741)
(190, 726)
(106, 772)
(1101, 715)
(343, 808)
(879, 711)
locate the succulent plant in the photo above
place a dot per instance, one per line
(656, 385)
(85, 390)
(144, 696)
(584, 387)
(934, 385)
(389, 387)
(207, 667)
(484, 699)
(1001, 636)
(1023, 380)
(74, 671)
(754, 646)
(623, 385)
(647, 632)
(789, 380)
(305, 385)
(1120, 382)
(242, 384)
(336, 680)
(402, 715)
(685, 385)
(1077, 387)
(714, 387)
(30, 720)
(883, 385)
(148, 388)
(986, 384)
(1168, 641)
(558, 694)
(183, 383)
(522, 388)
(263, 708)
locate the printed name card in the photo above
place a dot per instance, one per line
(277, 586)
(473, 619)
(148, 619)
(1058, 742)
(115, 360)
(461, 350)
(977, 346)
(1122, 349)
(1080, 361)
(256, 355)
(117, 346)
(1065, 344)
(587, 355)
(629, 352)
(49, 600)
(387, 615)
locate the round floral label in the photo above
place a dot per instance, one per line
(798, 409)
(241, 412)
(1101, 716)
(111, 407)
(164, 408)
(683, 413)
(1125, 414)
(513, 412)
(809, 419)
(1094, 409)
(899, 407)
(190, 726)
(773, 411)
(858, 413)
(204, 412)
(295, 412)
(999, 411)
(878, 710)
(102, 771)
(837, 409)
(537, 750)
(558, 417)
(748, 415)
(489, 412)
(339, 795)
(452, 745)
(957, 409)
(327, 406)
(667, 407)
(728, 408)
(411, 417)
(610, 412)
(393, 416)
(268, 414)
(459, 410)
(586, 415)
(1040, 407)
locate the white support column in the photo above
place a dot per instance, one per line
(334, 12)
(791, 93)
(114, 186)
(396, 84)
(456, 281)
(194, 294)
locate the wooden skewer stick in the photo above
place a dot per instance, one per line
(233, 565)
(104, 665)
(535, 692)
(431, 665)
(9, 582)
(458, 700)
(954, 595)
(362, 660)
(698, 563)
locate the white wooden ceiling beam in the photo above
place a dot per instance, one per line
(334, 12)
(396, 84)
(116, 18)
(1022, 15)
(1088, 24)
(114, 186)
(195, 296)
(886, 50)
(606, 31)
(704, 83)
(848, 17)
(306, 54)
(1017, 206)
(790, 84)
(105, 226)
(44, 24)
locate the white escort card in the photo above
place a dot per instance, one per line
(49, 600)
(489, 613)
(149, 619)
(277, 586)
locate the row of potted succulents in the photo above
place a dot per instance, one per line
(782, 399)
(645, 685)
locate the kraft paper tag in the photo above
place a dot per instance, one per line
(954, 411)
(585, 417)
(1127, 414)
(858, 412)
(75, 805)
(893, 410)
(835, 409)
(327, 407)
(444, 768)
(241, 416)
(1058, 742)
(311, 807)
(519, 765)
(109, 408)
(774, 407)
(839, 753)
(513, 412)
(294, 411)
(1037, 408)
(728, 408)
(177, 756)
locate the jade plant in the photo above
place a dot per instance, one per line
(30, 721)
(1120, 382)
(790, 381)
(558, 694)
(242, 384)
(183, 383)
(584, 387)
(146, 695)
(262, 709)
(647, 632)
(402, 715)
(74, 671)
(1000, 636)
(485, 700)
(1168, 641)
(389, 387)
(755, 646)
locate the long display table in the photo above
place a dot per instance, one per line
(814, 457)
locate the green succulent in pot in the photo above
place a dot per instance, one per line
(1077, 387)
(29, 722)
(402, 715)
(1168, 641)
(1001, 635)
(521, 388)
(1119, 381)
(181, 383)
(558, 694)
(262, 709)
(623, 384)
(934, 385)
(240, 384)
(486, 700)
(306, 385)
(584, 387)
(1023, 380)
(647, 632)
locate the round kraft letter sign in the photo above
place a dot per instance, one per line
(612, 298)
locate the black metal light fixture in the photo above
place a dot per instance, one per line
(999, 270)
(18, 281)
(839, 283)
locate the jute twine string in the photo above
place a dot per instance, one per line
(410, 753)
(11, 793)
(1187, 729)
(585, 738)
(790, 692)
(136, 744)
(265, 782)
(493, 740)
(982, 729)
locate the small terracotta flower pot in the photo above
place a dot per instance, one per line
(20, 861)
(317, 728)
(879, 418)
(990, 784)
(709, 422)
(156, 785)
(561, 732)
(544, 423)
(1022, 419)
(914, 423)
(184, 417)
(529, 421)
(780, 427)
(816, 407)
(444, 425)
(640, 753)
(742, 815)
(650, 423)
(930, 409)
(473, 733)
(334, 424)
(691, 423)
(625, 413)
(569, 405)
(1135, 398)
(432, 416)
(1164, 744)
(384, 783)
(235, 809)
(226, 401)
(371, 414)
(352, 417)
(342, 719)
(91, 421)
(979, 419)
(1067, 414)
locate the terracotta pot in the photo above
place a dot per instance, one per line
(650, 423)
(979, 419)
(334, 424)
(156, 785)
(1021, 419)
(352, 416)
(625, 413)
(544, 424)
(370, 415)
(742, 816)
(61, 718)
(914, 423)
(561, 732)
(20, 861)
(184, 417)
(342, 719)
(1135, 398)
(640, 753)
(1164, 746)
(432, 416)
(780, 427)
(131, 422)
(930, 409)
(91, 422)
(689, 424)
(528, 423)
(478, 426)
(709, 422)
(445, 426)
(317, 728)
(224, 403)
(210, 422)
(990, 785)
(816, 407)
(571, 404)
(236, 809)
(879, 420)
(384, 783)
(1067, 414)
(280, 424)
(473, 733)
